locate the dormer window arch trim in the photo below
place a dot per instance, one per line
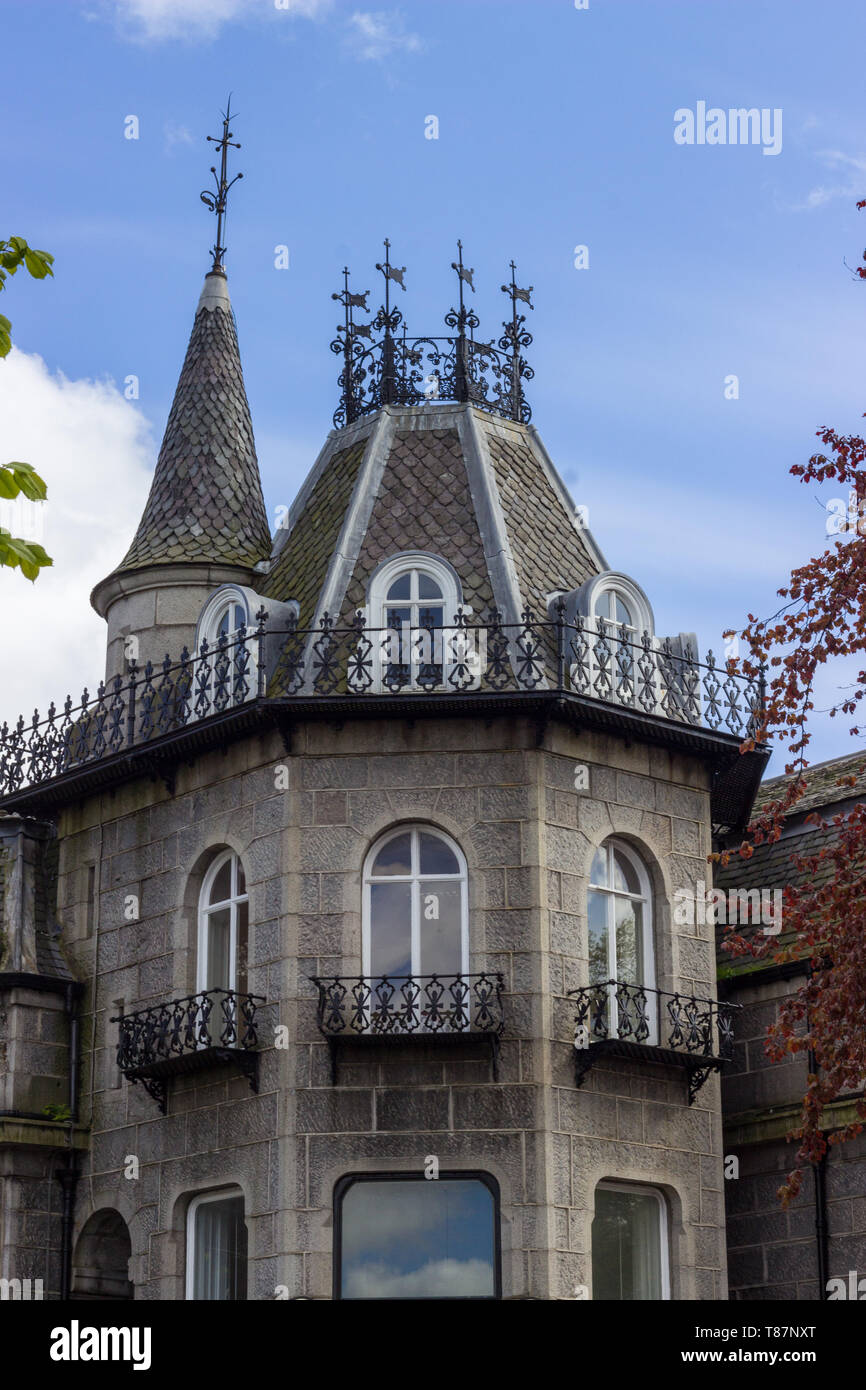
(225, 609)
(411, 562)
(412, 601)
(597, 598)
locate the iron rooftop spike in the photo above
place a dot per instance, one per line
(217, 201)
(462, 272)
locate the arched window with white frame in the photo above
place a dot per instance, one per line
(223, 920)
(415, 915)
(619, 915)
(612, 649)
(413, 600)
(226, 674)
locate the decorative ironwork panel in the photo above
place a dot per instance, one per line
(409, 1005)
(156, 1042)
(697, 1033)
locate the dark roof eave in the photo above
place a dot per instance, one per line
(159, 755)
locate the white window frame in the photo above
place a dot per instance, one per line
(414, 878)
(225, 1194)
(227, 596)
(452, 598)
(205, 908)
(647, 1190)
(613, 844)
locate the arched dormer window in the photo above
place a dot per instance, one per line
(609, 640)
(223, 918)
(415, 922)
(226, 673)
(619, 602)
(621, 958)
(413, 600)
(226, 611)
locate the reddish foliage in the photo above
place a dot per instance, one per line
(824, 919)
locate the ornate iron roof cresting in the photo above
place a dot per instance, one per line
(217, 201)
(394, 369)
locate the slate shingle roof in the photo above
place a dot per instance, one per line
(206, 501)
(548, 552)
(772, 866)
(821, 781)
(423, 495)
(424, 503)
(301, 564)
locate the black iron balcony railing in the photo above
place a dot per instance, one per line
(397, 1007)
(629, 1020)
(591, 659)
(201, 1030)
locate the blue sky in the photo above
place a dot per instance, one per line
(555, 130)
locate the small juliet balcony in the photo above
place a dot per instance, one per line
(616, 1019)
(215, 1027)
(433, 1009)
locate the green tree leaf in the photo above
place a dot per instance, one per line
(30, 556)
(22, 477)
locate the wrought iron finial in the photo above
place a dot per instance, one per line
(462, 273)
(388, 320)
(216, 201)
(390, 272)
(515, 337)
(347, 344)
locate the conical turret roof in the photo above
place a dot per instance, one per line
(206, 501)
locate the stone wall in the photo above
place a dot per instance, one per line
(773, 1252)
(527, 836)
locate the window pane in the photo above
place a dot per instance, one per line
(624, 874)
(218, 937)
(220, 1252)
(222, 626)
(240, 617)
(430, 617)
(394, 858)
(403, 1239)
(440, 928)
(599, 967)
(626, 1246)
(221, 888)
(427, 587)
(242, 878)
(401, 587)
(629, 953)
(436, 857)
(621, 612)
(598, 873)
(390, 929)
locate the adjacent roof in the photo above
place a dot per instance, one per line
(822, 787)
(206, 501)
(772, 866)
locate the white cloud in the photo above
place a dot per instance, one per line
(176, 135)
(853, 165)
(96, 454)
(436, 1279)
(158, 20)
(378, 34)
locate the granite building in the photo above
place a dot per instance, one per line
(339, 956)
(812, 1250)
